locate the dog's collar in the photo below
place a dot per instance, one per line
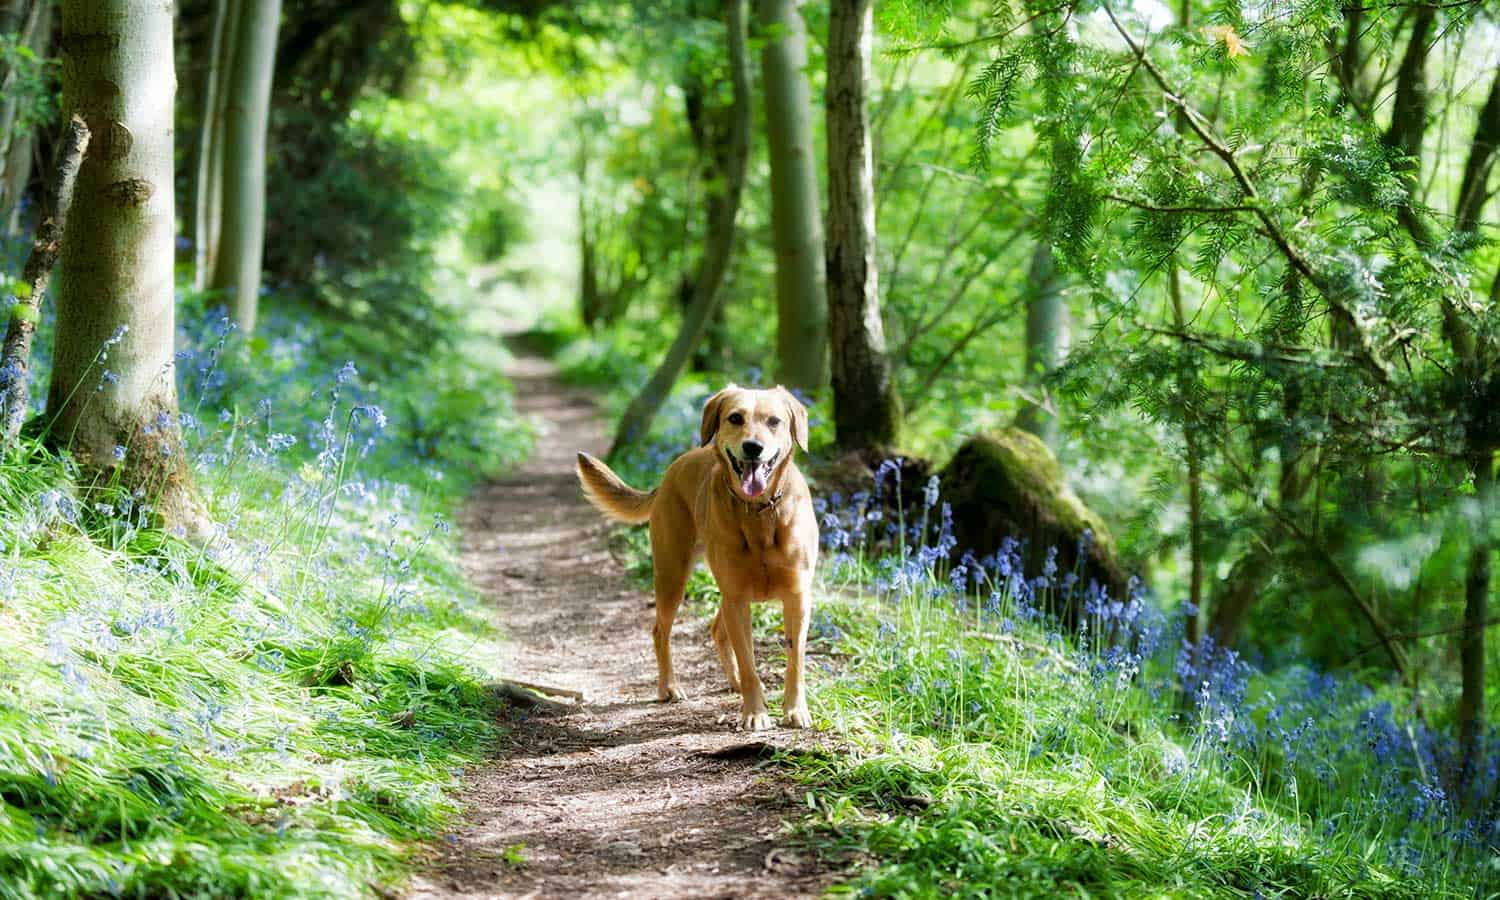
(754, 509)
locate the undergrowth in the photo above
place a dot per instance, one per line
(276, 712)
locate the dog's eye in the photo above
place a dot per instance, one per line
(736, 419)
(773, 422)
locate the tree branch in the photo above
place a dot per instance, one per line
(1273, 231)
(46, 246)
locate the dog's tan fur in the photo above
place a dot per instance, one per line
(758, 548)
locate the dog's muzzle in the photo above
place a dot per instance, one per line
(755, 474)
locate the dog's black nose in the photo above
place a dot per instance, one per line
(751, 449)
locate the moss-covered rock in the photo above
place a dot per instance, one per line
(1007, 483)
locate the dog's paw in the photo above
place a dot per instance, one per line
(797, 718)
(672, 694)
(755, 721)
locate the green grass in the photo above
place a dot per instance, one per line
(991, 761)
(279, 712)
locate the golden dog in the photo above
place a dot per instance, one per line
(740, 501)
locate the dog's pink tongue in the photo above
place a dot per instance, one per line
(753, 483)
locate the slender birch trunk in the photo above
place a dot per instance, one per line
(1046, 342)
(796, 223)
(237, 270)
(113, 398)
(866, 406)
(208, 193)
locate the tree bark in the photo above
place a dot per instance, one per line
(708, 122)
(720, 248)
(237, 271)
(1471, 713)
(17, 19)
(208, 192)
(1193, 450)
(1409, 118)
(1472, 190)
(866, 405)
(15, 363)
(32, 23)
(113, 398)
(18, 163)
(796, 223)
(589, 295)
(1046, 342)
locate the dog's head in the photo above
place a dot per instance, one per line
(754, 433)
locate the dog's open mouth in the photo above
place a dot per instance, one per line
(753, 474)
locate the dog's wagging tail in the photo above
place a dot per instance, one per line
(610, 494)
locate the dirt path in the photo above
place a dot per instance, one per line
(617, 798)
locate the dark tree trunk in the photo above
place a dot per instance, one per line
(711, 127)
(1409, 118)
(866, 406)
(1472, 191)
(1471, 645)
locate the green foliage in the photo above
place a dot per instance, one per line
(30, 84)
(358, 209)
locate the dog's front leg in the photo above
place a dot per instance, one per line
(796, 609)
(753, 713)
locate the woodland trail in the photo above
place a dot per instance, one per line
(619, 797)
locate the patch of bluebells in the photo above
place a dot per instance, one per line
(1325, 738)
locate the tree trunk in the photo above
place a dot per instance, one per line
(866, 405)
(1473, 188)
(113, 398)
(715, 261)
(18, 163)
(1046, 343)
(796, 223)
(208, 191)
(589, 296)
(708, 122)
(19, 20)
(32, 24)
(1471, 715)
(237, 270)
(1409, 119)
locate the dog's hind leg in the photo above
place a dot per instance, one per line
(672, 564)
(720, 631)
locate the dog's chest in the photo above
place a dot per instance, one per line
(759, 557)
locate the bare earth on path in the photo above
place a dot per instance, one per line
(620, 797)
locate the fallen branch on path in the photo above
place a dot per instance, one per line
(532, 696)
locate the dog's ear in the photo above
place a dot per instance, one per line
(796, 414)
(710, 425)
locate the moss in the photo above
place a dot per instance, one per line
(1007, 483)
(1029, 463)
